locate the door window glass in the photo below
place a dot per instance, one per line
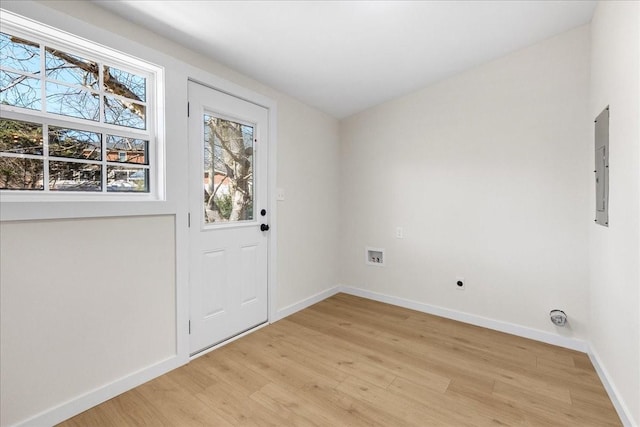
(228, 170)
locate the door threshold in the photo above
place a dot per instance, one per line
(206, 350)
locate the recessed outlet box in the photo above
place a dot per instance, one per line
(375, 256)
(460, 283)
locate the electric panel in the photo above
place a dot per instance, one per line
(602, 167)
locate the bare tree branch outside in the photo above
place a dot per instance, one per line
(228, 166)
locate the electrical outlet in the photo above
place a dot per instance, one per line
(460, 283)
(399, 233)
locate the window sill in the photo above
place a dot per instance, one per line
(47, 210)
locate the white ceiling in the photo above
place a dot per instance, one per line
(345, 56)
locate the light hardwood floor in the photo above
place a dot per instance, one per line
(348, 361)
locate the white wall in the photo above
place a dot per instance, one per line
(614, 329)
(308, 218)
(308, 153)
(83, 302)
(485, 172)
(489, 174)
(307, 165)
(307, 169)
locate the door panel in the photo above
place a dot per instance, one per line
(214, 282)
(249, 268)
(228, 189)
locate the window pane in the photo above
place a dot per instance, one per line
(228, 170)
(20, 137)
(20, 91)
(124, 113)
(125, 84)
(127, 150)
(67, 176)
(71, 69)
(127, 179)
(20, 174)
(76, 144)
(72, 102)
(19, 54)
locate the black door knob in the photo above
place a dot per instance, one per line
(264, 227)
(263, 212)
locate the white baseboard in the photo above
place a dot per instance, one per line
(94, 397)
(497, 325)
(621, 408)
(301, 305)
(510, 328)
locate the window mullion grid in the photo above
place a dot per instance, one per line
(124, 98)
(35, 75)
(101, 93)
(150, 119)
(103, 136)
(72, 160)
(42, 77)
(47, 119)
(45, 155)
(151, 159)
(45, 126)
(58, 120)
(103, 159)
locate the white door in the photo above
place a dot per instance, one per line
(228, 234)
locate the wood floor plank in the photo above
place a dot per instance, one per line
(476, 397)
(301, 404)
(439, 405)
(127, 409)
(543, 408)
(431, 358)
(378, 397)
(178, 405)
(236, 407)
(348, 361)
(348, 358)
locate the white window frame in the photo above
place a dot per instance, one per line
(34, 31)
